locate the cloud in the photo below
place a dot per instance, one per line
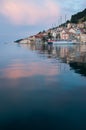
(41, 13)
(27, 12)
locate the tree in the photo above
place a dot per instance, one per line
(49, 35)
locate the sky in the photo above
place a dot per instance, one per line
(22, 18)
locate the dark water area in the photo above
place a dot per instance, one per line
(42, 88)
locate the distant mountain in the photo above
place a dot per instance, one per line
(79, 17)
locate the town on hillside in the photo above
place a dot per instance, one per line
(74, 30)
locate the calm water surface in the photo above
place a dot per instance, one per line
(42, 88)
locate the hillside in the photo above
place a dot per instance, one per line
(79, 17)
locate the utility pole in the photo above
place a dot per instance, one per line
(65, 20)
(61, 19)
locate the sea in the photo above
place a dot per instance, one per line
(42, 87)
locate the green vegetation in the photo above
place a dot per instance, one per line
(19, 40)
(49, 35)
(79, 17)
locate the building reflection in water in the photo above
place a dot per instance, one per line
(73, 55)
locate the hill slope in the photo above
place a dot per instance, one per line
(79, 17)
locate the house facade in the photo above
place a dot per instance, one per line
(83, 38)
(64, 35)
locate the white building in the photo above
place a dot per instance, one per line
(83, 38)
(64, 35)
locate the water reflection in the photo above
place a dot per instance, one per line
(21, 70)
(39, 88)
(73, 55)
(79, 68)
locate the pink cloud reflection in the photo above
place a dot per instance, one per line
(15, 71)
(28, 12)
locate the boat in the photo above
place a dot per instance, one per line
(60, 42)
(63, 42)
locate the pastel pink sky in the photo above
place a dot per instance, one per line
(29, 12)
(22, 18)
